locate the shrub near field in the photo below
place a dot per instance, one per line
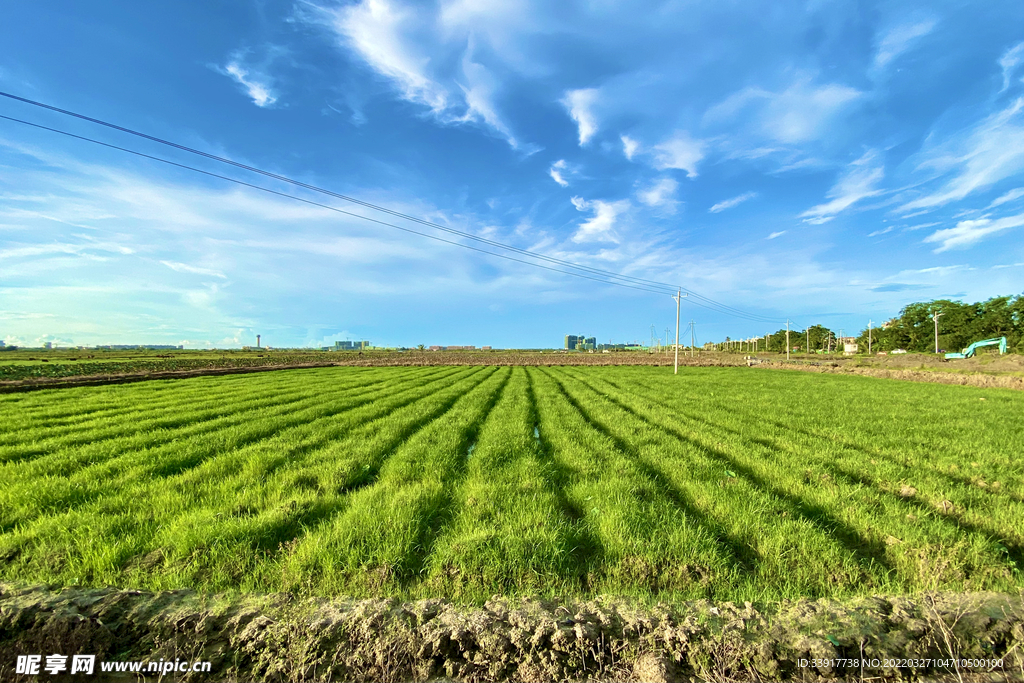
(466, 482)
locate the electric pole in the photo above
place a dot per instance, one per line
(935, 317)
(869, 337)
(678, 297)
(692, 339)
(787, 339)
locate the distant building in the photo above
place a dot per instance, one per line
(577, 342)
(47, 345)
(435, 348)
(482, 348)
(351, 345)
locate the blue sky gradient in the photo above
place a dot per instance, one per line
(827, 162)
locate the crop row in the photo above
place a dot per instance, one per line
(471, 481)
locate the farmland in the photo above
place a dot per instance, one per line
(466, 482)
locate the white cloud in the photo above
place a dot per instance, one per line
(899, 39)
(1010, 60)
(883, 231)
(994, 150)
(730, 203)
(919, 226)
(601, 226)
(1008, 197)
(800, 113)
(780, 233)
(256, 85)
(661, 193)
(375, 29)
(556, 172)
(681, 152)
(966, 233)
(185, 268)
(629, 147)
(580, 104)
(409, 49)
(858, 183)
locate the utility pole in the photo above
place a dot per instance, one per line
(678, 297)
(692, 338)
(787, 339)
(257, 341)
(869, 337)
(935, 317)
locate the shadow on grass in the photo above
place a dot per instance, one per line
(1013, 551)
(868, 553)
(583, 547)
(739, 553)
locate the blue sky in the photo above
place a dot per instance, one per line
(828, 162)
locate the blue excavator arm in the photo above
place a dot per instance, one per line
(969, 351)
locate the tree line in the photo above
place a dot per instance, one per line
(960, 324)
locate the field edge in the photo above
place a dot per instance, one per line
(281, 638)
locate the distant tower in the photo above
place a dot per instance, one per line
(257, 341)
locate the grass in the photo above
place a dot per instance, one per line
(466, 482)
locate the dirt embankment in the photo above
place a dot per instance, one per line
(279, 638)
(972, 379)
(1005, 372)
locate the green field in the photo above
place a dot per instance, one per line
(466, 482)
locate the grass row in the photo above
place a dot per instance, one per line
(468, 482)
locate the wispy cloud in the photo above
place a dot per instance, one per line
(185, 268)
(780, 233)
(662, 193)
(859, 182)
(1010, 60)
(994, 150)
(883, 231)
(629, 147)
(375, 29)
(601, 226)
(798, 114)
(580, 105)
(679, 152)
(898, 287)
(899, 39)
(967, 233)
(730, 203)
(556, 171)
(919, 226)
(1008, 197)
(400, 43)
(256, 85)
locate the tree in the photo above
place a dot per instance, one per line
(960, 324)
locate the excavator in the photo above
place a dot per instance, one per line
(969, 351)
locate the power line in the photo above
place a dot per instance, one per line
(323, 206)
(315, 188)
(634, 283)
